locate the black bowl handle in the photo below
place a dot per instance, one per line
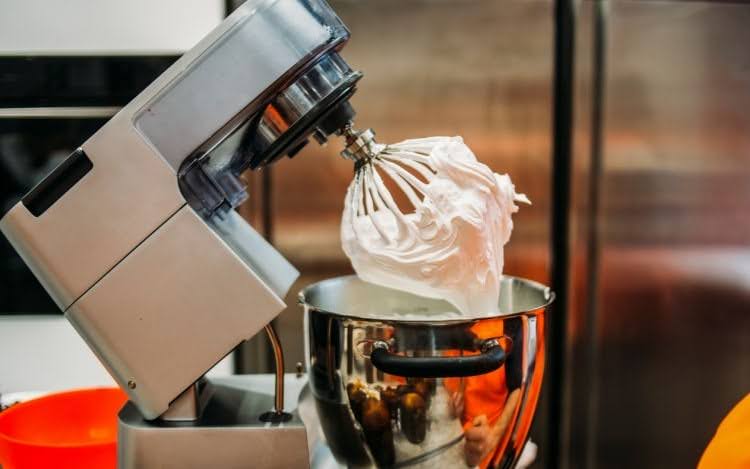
(491, 358)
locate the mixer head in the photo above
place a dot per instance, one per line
(314, 104)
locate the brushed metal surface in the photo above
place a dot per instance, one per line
(227, 435)
(668, 321)
(172, 309)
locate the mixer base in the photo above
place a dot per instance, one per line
(228, 434)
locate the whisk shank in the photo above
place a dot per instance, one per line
(360, 144)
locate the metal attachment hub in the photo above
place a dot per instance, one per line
(360, 145)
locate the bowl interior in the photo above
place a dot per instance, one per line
(350, 296)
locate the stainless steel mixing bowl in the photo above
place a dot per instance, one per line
(403, 381)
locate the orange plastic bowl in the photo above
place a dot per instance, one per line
(74, 429)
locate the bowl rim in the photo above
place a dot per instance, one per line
(36, 401)
(546, 291)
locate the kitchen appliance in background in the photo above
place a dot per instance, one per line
(659, 275)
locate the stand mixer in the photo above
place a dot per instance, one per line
(135, 237)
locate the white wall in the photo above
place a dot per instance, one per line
(45, 353)
(105, 26)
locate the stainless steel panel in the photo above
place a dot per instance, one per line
(228, 434)
(669, 319)
(171, 310)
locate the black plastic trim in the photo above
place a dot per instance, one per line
(438, 367)
(562, 160)
(57, 183)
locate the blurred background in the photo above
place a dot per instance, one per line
(655, 338)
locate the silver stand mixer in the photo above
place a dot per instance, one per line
(135, 237)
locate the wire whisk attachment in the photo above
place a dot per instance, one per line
(424, 215)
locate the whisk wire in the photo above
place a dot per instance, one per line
(422, 167)
(375, 200)
(386, 203)
(406, 186)
(408, 165)
(402, 174)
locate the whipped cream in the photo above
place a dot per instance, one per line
(451, 246)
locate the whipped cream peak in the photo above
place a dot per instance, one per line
(451, 245)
